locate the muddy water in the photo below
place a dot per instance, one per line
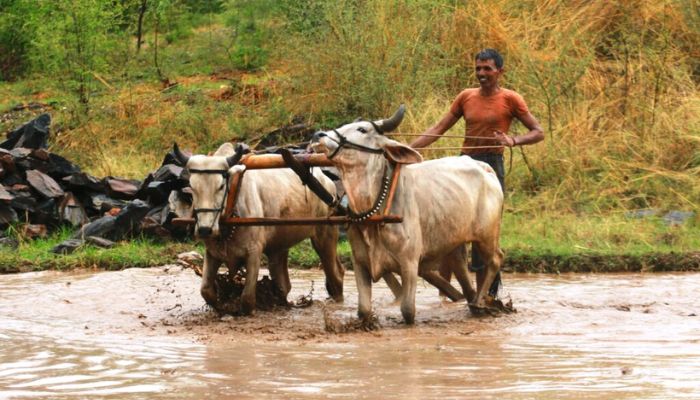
(146, 334)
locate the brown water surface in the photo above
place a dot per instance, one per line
(144, 333)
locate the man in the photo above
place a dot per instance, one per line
(488, 112)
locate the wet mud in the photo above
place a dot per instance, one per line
(143, 333)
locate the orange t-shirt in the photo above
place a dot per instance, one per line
(484, 114)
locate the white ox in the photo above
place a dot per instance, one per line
(263, 193)
(445, 204)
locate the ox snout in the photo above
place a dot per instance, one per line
(204, 232)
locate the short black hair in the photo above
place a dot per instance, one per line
(490, 54)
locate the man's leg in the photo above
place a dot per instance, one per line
(477, 265)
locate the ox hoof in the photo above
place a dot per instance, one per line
(210, 296)
(247, 308)
(337, 299)
(370, 323)
(492, 307)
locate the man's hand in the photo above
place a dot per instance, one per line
(506, 140)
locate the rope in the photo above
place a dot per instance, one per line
(449, 136)
(459, 148)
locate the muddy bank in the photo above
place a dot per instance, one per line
(553, 263)
(11, 262)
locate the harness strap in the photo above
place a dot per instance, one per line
(345, 142)
(308, 179)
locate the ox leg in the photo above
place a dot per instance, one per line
(393, 284)
(279, 271)
(364, 291)
(409, 277)
(457, 260)
(435, 279)
(326, 246)
(208, 287)
(493, 259)
(445, 271)
(251, 280)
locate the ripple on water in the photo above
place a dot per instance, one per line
(623, 336)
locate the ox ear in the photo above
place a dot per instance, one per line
(401, 154)
(238, 168)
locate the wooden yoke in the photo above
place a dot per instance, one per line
(268, 161)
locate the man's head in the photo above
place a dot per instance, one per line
(488, 68)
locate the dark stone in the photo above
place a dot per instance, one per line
(12, 179)
(7, 215)
(101, 227)
(20, 152)
(44, 184)
(41, 154)
(151, 226)
(46, 213)
(299, 132)
(158, 192)
(23, 201)
(101, 203)
(58, 167)
(68, 246)
(71, 210)
(100, 242)
(168, 172)
(121, 188)
(83, 181)
(32, 135)
(129, 219)
(5, 195)
(141, 193)
(25, 164)
(7, 160)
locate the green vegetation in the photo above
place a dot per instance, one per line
(544, 243)
(614, 84)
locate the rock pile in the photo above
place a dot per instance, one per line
(41, 191)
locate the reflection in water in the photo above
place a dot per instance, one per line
(124, 334)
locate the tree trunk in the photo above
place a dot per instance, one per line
(139, 29)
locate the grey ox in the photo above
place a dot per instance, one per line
(263, 193)
(445, 203)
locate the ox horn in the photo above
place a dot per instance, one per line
(179, 156)
(241, 149)
(388, 125)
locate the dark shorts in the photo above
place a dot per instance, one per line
(496, 162)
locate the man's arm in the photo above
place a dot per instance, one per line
(535, 134)
(447, 122)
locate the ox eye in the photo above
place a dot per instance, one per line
(361, 129)
(221, 187)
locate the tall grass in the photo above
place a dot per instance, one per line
(614, 84)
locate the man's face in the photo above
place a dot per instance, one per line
(487, 73)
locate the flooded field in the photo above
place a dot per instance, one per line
(146, 334)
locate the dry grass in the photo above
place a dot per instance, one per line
(614, 84)
(611, 82)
